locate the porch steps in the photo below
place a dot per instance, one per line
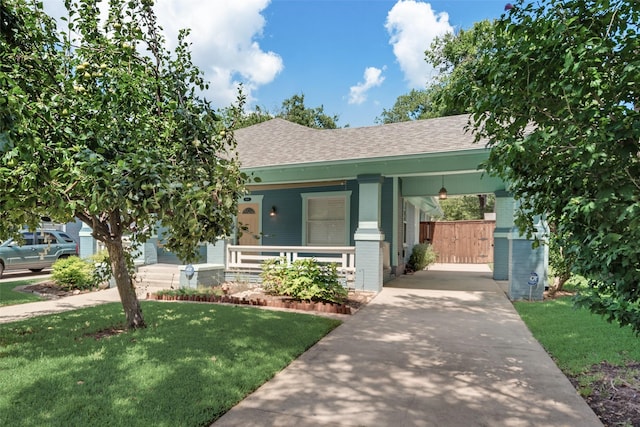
(150, 278)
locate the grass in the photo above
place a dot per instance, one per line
(188, 367)
(576, 338)
(10, 297)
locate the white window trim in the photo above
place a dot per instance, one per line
(325, 194)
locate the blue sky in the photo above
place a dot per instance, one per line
(353, 57)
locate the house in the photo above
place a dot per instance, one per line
(357, 196)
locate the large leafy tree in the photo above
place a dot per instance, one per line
(556, 96)
(101, 122)
(451, 55)
(467, 207)
(294, 110)
(415, 105)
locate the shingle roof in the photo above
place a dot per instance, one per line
(279, 142)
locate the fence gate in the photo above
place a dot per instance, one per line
(460, 242)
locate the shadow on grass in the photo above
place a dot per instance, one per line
(192, 363)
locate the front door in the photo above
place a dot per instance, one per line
(249, 224)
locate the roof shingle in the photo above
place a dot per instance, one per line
(279, 142)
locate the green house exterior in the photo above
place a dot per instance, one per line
(369, 188)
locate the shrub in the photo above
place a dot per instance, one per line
(101, 271)
(303, 279)
(422, 255)
(72, 273)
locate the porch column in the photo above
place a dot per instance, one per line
(505, 206)
(528, 265)
(368, 236)
(87, 245)
(217, 252)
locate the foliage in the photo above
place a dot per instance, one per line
(422, 255)
(416, 105)
(293, 110)
(467, 207)
(190, 291)
(561, 260)
(555, 96)
(451, 55)
(191, 365)
(72, 273)
(10, 297)
(101, 272)
(103, 123)
(303, 279)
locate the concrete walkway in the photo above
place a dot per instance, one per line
(12, 313)
(437, 348)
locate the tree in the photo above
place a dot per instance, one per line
(451, 56)
(555, 97)
(294, 110)
(107, 127)
(467, 207)
(416, 105)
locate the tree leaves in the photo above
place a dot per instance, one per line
(98, 122)
(554, 96)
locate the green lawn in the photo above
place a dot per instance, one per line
(192, 364)
(10, 297)
(576, 338)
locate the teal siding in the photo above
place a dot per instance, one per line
(285, 229)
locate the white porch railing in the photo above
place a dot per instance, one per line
(245, 257)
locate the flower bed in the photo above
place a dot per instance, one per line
(322, 307)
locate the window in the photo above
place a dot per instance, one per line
(326, 218)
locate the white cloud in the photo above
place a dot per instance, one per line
(224, 37)
(412, 26)
(372, 77)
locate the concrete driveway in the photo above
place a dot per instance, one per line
(437, 348)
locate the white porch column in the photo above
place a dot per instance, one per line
(217, 252)
(368, 236)
(87, 246)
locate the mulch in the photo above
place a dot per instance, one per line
(614, 394)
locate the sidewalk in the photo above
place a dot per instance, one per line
(437, 348)
(12, 313)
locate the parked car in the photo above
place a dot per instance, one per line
(40, 250)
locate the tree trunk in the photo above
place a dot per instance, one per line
(127, 292)
(558, 283)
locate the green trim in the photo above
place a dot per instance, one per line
(394, 218)
(415, 165)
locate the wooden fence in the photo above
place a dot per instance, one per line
(460, 242)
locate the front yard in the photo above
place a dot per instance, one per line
(601, 359)
(191, 365)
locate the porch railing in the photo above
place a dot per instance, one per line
(244, 257)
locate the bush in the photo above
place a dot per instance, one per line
(72, 273)
(422, 255)
(101, 272)
(303, 279)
